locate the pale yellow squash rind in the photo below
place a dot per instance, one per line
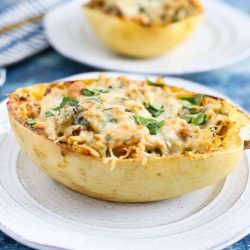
(129, 180)
(132, 39)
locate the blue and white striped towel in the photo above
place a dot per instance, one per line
(28, 39)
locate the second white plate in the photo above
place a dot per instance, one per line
(222, 39)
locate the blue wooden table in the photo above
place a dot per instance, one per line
(49, 65)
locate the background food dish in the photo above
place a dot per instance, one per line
(146, 32)
(208, 49)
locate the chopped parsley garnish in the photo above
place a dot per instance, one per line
(197, 119)
(152, 124)
(49, 114)
(31, 122)
(128, 110)
(99, 91)
(154, 111)
(88, 92)
(176, 19)
(156, 84)
(141, 9)
(196, 100)
(191, 103)
(187, 104)
(66, 101)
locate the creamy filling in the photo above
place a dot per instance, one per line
(150, 11)
(117, 117)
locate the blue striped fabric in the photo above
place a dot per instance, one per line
(21, 42)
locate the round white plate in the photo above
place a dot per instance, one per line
(222, 39)
(42, 213)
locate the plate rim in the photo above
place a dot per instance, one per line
(244, 53)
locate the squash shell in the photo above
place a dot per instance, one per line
(124, 180)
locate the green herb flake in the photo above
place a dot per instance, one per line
(161, 123)
(31, 122)
(152, 127)
(66, 101)
(197, 119)
(56, 108)
(142, 10)
(49, 114)
(97, 91)
(70, 102)
(200, 119)
(188, 104)
(154, 111)
(156, 84)
(143, 121)
(152, 124)
(114, 120)
(196, 100)
(88, 92)
(175, 19)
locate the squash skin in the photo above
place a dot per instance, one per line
(132, 39)
(131, 180)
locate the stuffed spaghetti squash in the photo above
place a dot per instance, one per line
(143, 28)
(129, 141)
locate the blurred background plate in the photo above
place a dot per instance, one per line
(222, 40)
(43, 214)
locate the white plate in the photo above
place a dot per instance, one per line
(42, 213)
(222, 39)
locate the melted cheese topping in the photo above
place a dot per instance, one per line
(150, 11)
(118, 117)
(132, 8)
